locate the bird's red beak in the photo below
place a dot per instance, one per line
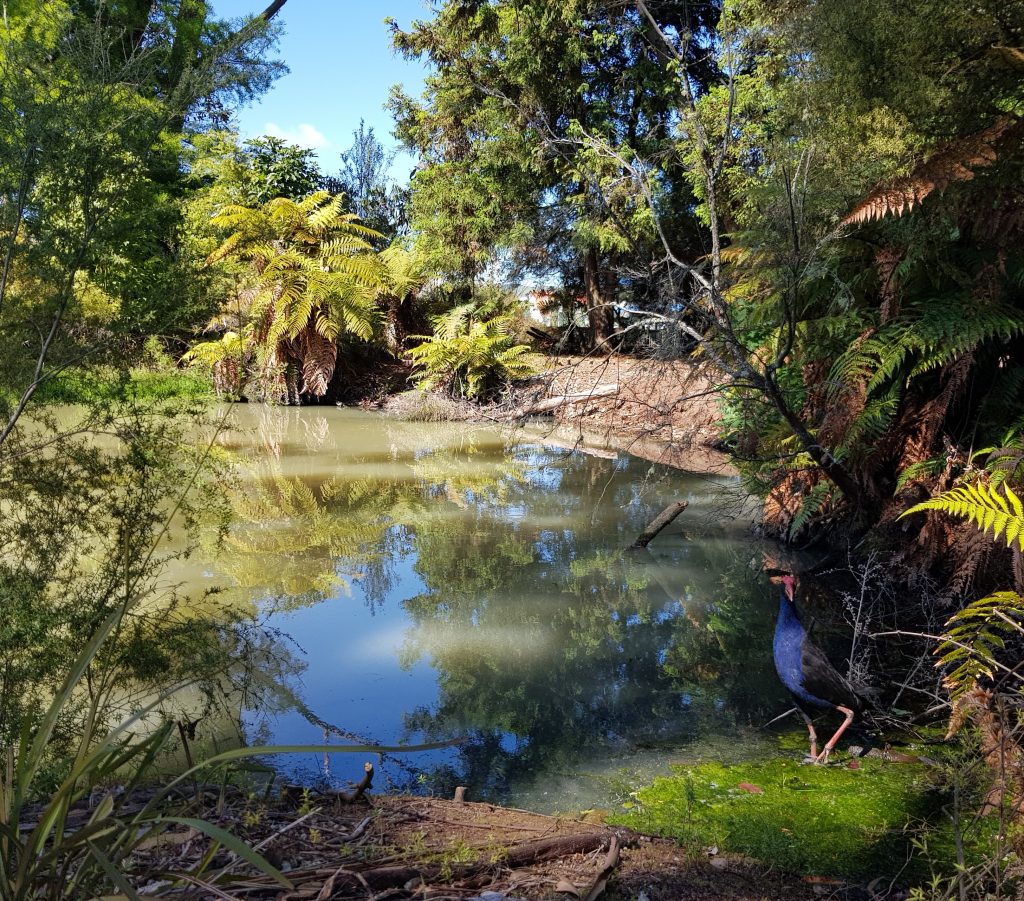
(788, 583)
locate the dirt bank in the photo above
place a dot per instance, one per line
(662, 411)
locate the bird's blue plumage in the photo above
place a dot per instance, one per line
(788, 650)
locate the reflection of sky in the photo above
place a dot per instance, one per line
(354, 680)
(401, 650)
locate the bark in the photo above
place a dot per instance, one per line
(396, 876)
(397, 312)
(832, 468)
(599, 311)
(272, 10)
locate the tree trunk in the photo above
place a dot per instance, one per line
(396, 323)
(599, 311)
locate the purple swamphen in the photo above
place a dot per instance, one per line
(806, 672)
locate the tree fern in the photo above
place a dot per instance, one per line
(924, 468)
(473, 362)
(873, 421)
(817, 499)
(317, 278)
(932, 332)
(975, 636)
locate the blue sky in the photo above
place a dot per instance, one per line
(342, 68)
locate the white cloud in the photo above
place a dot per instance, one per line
(305, 135)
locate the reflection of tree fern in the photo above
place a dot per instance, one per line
(459, 474)
(301, 544)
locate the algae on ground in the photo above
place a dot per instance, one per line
(829, 821)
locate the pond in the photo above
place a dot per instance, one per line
(432, 581)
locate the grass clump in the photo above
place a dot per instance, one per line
(428, 406)
(827, 821)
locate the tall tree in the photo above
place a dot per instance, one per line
(366, 180)
(503, 170)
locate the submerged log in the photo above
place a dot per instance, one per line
(660, 522)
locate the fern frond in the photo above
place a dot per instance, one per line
(974, 637)
(929, 467)
(819, 497)
(956, 161)
(991, 511)
(873, 421)
(930, 334)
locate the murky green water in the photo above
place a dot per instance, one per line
(447, 580)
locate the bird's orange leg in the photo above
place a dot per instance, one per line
(811, 733)
(823, 756)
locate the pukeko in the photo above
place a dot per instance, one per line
(805, 671)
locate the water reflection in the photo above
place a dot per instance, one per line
(444, 581)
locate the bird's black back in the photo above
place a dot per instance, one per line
(823, 681)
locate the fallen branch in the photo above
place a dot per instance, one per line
(660, 522)
(343, 797)
(560, 846)
(377, 879)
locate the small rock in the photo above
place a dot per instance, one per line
(855, 750)
(719, 863)
(750, 787)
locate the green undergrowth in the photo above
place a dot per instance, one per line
(80, 386)
(880, 819)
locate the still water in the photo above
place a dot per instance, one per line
(433, 581)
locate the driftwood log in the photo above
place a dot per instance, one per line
(560, 400)
(660, 522)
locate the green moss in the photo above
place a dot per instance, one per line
(829, 821)
(103, 384)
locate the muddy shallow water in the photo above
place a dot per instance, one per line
(436, 581)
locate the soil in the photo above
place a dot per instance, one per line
(665, 411)
(407, 847)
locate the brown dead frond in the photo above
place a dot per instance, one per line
(955, 161)
(319, 356)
